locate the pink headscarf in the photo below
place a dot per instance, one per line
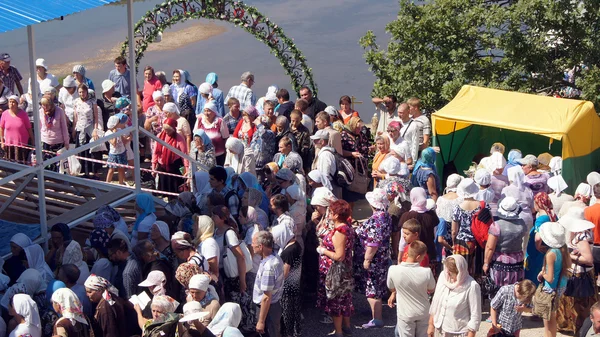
(418, 200)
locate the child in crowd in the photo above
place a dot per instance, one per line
(117, 153)
(411, 284)
(410, 232)
(508, 305)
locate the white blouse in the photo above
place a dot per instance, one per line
(457, 311)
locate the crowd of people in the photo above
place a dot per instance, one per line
(269, 220)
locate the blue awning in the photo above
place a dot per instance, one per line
(15, 14)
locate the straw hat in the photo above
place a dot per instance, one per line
(574, 221)
(553, 234)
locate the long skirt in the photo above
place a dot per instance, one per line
(572, 311)
(169, 183)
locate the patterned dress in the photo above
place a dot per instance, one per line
(341, 306)
(291, 301)
(375, 232)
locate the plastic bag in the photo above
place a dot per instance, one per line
(70, 165)
(101, 146)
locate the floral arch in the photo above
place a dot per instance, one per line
(170, 12)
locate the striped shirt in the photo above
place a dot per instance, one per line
(269, 278)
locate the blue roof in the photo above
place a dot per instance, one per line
(15, 14)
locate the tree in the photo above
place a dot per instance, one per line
(438, 46)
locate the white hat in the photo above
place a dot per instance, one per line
(205, 88)
(391, 165)
(574, 221)
(556, 164)
(467, 188)
(171, 107)
(553, 234)
(41, 63)
(508, 208)
(200, 282)
(557, 183)
(584, 190)
(154, 278)
(157, 94)
(332, 111)
(112, 122)
(593, 178)
(378, 199)
(452, 182)
(69, 82)
(528, 160)
(483, 177)
(321, 134)
(107, 85)
(192, 311)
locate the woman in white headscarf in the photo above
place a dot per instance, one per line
(297, 201)
(230, 315)
(74, 255)
(557, 184)
(203, 231)
(593, 178)
(25, 312)
(317, 179)
(239, 157)
(14, 265)
(72, 322)
(30, 282)
(456, 306)
(523, 194)
(444, 207)
(201, 291)
(583, 194)
(35, 260)
(160, 235)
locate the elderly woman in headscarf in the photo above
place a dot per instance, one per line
(72, 321)
(285, 178)
(31, 283)
(35, 260)
(518, 190)
(503, 251)
(201, 291)
(202, 150)
(428, 220)
(372, 253)
(117, 219)
(294, 163)
(239, 157)
(216, 130)
(583, 194)
(514, 156)
(14, 265)
(203, 231)
(534, 249)
(382, 144)
(163, 309)
(110, 309)
(593, 178)
(99, 240)
(229, 315)
(160, 235)
(425, 174)
(252, 198)
(270, 185)
(15, 131)
(483, 179)
(25, 312)
(317, 179)
(456, 306)
(444, 208)
(291, 303)
(145, 217)
(245, 128)
(557, 184)
(165, 160)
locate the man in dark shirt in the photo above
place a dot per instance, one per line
(10, 75)
(285, 106)
(109, 98)
(129, 273)
(314, 105)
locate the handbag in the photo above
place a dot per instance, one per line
(580, 285)
(230, 261)
(361, 178)
(339, 280)
(101, 146)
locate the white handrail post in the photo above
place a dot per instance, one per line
(134, 107)
(37, 139)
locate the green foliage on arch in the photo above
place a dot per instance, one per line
(171, 12)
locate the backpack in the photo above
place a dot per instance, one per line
(168, 328)
(479, 228)
(344, 170)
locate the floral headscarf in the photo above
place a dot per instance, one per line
(103, 221)
(542, 200)
(69, 304)
(185, 271)
(99, 283)
(99, 240)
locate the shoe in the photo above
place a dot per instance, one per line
(333, 333)
(347, 331)
(489, 319)
(326, 320)
(374, 323)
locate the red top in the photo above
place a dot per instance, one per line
(149, 88)
(424, 262)
(247, 137)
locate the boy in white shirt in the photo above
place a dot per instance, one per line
(411, 283)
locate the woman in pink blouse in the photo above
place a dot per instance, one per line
(15, 131)
(55, 133)
(215, 129)
(165, 160)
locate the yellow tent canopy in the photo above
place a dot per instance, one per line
(572, 122)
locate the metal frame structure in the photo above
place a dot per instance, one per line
(28, 172)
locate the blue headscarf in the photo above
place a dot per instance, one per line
(230, 174)
(53, 286)
(205, 138)
(513, 156)
(427, 160)
(251, 181)
(146, 203)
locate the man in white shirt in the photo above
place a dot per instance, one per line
(423, 123)
(386, 108)
(410, 284)
(398, 144)
(325, 158)
(409, 131)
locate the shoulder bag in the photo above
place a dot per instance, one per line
(230, 261)
(361, 177)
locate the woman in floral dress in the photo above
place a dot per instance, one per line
(336, 245)
(372, 254)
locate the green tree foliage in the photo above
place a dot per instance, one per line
(439, 45)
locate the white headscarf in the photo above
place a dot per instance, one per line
(281, 236)
(26, 307)
(322, 197)
(320, 178)
(452, 182)
(202, 282)
(21, 240)
(230, 315)
(516, 176)
(74, 255)
(163, 228)
(235, 153)
(445, 286)
(35, 258)
(30, 282)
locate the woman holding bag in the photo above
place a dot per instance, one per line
(574, 307)
(553, 277)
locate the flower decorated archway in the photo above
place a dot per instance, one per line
(171, 12)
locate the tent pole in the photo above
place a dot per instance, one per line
(37, 138)
(134, 107)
